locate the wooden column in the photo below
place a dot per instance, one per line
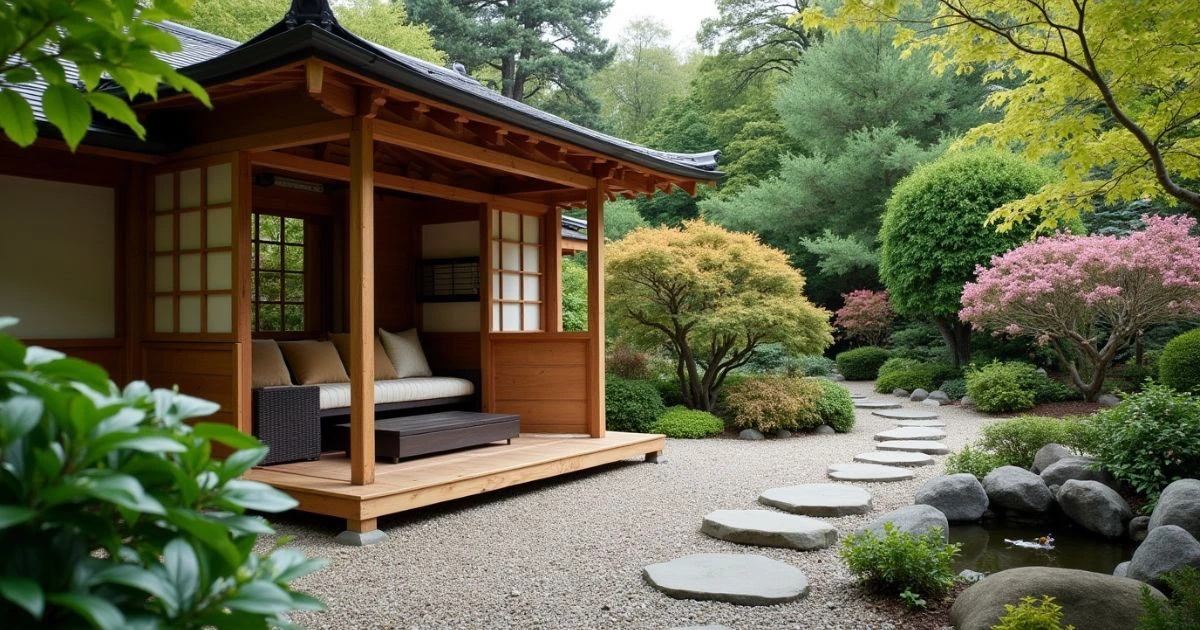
(361, 287)
(552, 266)
(595, 305)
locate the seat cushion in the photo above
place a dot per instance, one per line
(267, 368)
(384, 370)
(404, 349)
(314, 362)
(337, 395)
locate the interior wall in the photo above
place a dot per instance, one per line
(459, 239)
(59, 244)
(395, 264)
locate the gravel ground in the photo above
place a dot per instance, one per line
(568, 552)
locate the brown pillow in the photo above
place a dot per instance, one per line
(267, 368)
(384, 371)
(314, 362)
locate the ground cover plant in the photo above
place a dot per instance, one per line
(910, 567)
(773, 403)
(114, 514)
(861, 364)
(1032, 614)
(681, 422)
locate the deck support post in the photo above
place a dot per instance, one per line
(362, 301)
(656, 458)
(361, 533)
(595, 308)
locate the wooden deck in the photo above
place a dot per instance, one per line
(323, 487)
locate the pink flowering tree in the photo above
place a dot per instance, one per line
(1088, 296)
(866, 316)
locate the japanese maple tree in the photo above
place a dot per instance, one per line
(866, 316)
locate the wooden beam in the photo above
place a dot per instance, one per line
(314, 77)
(418, 140)
(552, 266)
(595, 307)
(326, 131)
(372, 101)
(387, 181)
(362, 301)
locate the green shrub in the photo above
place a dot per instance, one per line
(1181, 611)
(771, 358)
(862, 364)
(813, 365)
(631, 405)
(771, 403)
(910, 374)
(1132, 377)
(1179, 362)
(1032, 614)
(669, 391)
(626, 362)
(955, 388)
(113, 512)
(836, 406)
(921, 341)
(1015, 442)
(1000, 387)
(973, 460)
(899, 562)
(681, 422)
(1150, 439)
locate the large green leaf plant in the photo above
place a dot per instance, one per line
(114, 514)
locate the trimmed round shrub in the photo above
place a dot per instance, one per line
(1179, 362)
(836, 406)
(862, 364)
(771, 403)
(1150, 439)
(910, 374)
(631, 405)
(681, 422)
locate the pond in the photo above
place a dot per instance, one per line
(984, 549)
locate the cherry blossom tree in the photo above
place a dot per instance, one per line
(1088, 296)
(866, 316)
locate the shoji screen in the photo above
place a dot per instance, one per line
(192, 267)
(516, 272)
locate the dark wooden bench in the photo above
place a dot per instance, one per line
(410, 436)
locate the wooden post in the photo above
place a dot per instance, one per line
(552, 280)
(595, 307)
(361, 287)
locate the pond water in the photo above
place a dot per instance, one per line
(984, 549)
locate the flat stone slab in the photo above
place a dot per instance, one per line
(746, 579)
(868, 472)
(905, 414)
(910, 433)
(894, 458)
(928, 447)
(921, 423)
(767, 528)
(819, 499)
(870, 403)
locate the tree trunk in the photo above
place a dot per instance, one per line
(957, 336)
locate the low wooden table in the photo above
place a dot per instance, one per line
(410, 436)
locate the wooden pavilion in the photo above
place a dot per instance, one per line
(147, 256)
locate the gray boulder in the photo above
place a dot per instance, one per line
(918, 395)
(960, 497)
(1041, 371)
(751, 434)
(901, 393)
(939, 396)
(1108, 400)
(783, 434)
(1080, 468)
(1095, 506)
(970, 577)
(836, 378)
(1091, 601)
(1014, 488)
(1122, 570)
(1166, 548)
(1179, 505)
(824, 429)
(932, 402)
(913, 519)
(966, 401)
(1139, 527)
(1048, 455)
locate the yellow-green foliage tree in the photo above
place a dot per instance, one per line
(378, 21)
(711, 297)
(1111, 90)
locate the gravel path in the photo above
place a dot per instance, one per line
(568, 552)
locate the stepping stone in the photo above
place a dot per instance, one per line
(869, 403)
(910, 433)
(905, 414)
(767, 528)
(746, 579)
(894, 458)
(858, 397)
(938, 424)
(868, 472)
(819, 499)
(928, 447)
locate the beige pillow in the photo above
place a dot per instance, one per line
(404, 349)
(384, 371)
(267, 368)
(314, 362)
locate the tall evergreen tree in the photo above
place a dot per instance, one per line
(756, 38)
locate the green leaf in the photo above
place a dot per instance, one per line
(117, 110)
(240, 524)
(261, 597)
(122, 490)
(210, 533)
(89, 374)
(25, 593)
(18, 416)
(15, 515)
(68, 110)
(16, 118)
(20, 75)
(183, 570)
(37, 355)
(143, 441)
(142, 580)
(225, 434)
(253, 495)
(96, 610)
(241, 461)
(303, 601)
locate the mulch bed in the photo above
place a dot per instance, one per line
(1057, 410)
(936, 616)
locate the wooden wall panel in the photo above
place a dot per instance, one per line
(396, 246)
(212, 371)
(107, 353)
(451, 351)
(541, 377)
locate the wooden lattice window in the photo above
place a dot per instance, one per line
(516, 272)
(278, 289)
